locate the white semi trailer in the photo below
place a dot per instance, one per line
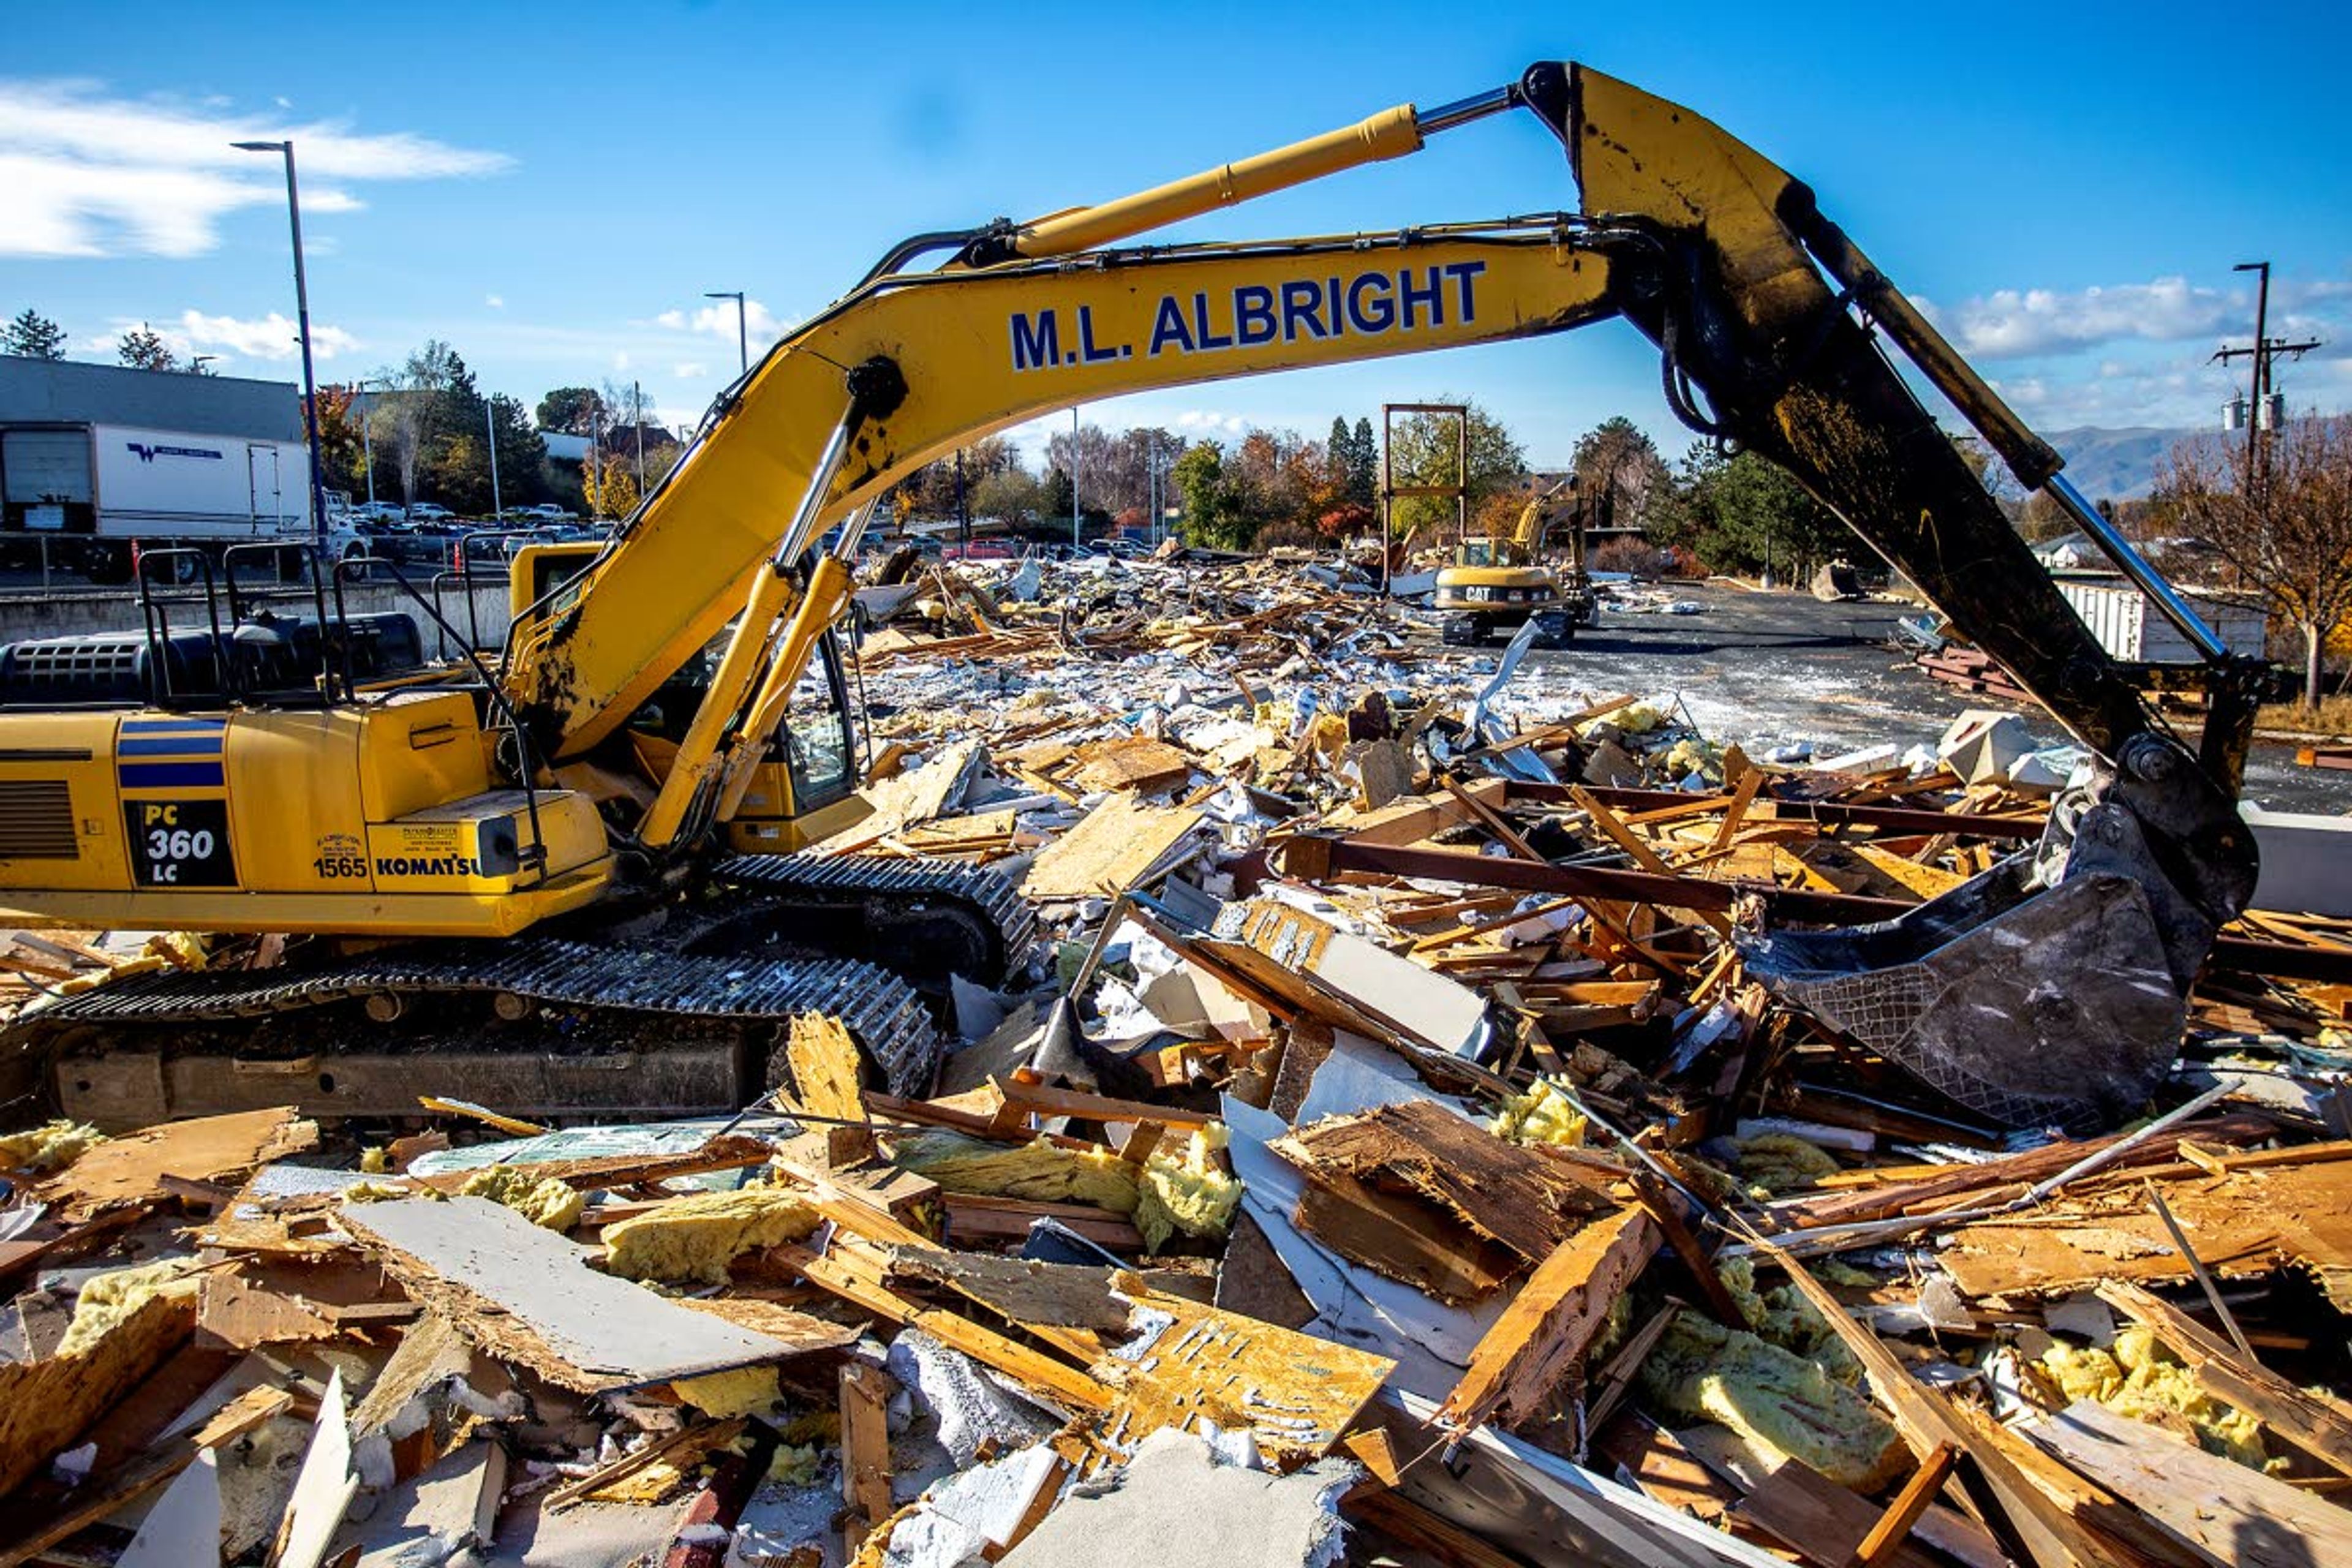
(97, 462)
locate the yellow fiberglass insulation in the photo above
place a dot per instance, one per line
(1038, 1172)
(1692, 755)
(1781, 1316)
(691, 1240)
(49, 1147)
(1702, 1371)
(1187, 1191)
(548, 1202)
(1781, 1162)
(744, 1391)
(2140, 1379)
(105, 1300)
(1542, 1115)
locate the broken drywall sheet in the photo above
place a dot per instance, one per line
(1174, 1491)
(325, 1486)
(1363, 1075)
(183, 1530)
(1546, 1509)
(1430, 1341)
(430, 1519)
(525, 1293)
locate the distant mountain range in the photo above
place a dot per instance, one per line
(2114, 465)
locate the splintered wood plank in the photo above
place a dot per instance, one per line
(1816, 1518)
(1551, 1321)
(1511, 1194)
(1913, 1501)
(2030, 1523)
(2231, 1516)
(45, 1405)
(1294, 1393)
(2319, 1426)
(824, 1063)
(131, 1169)
(524, 1293)
(2250, 1222)
(1646, 858)
(865, 1451)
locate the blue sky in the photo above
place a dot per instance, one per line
(2067, 186)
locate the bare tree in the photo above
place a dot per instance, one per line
(2285, 528)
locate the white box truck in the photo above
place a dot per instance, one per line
(97, 460)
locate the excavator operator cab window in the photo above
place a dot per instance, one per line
(1477, 553)
(820, 748)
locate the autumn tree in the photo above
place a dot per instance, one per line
(2279, 517)
(609, 486)
(143, 348)
(1011, 494)
(33, 335)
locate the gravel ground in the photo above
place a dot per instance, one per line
(1766, 669)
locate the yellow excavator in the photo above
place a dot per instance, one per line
(1500, 584)
(561, 878)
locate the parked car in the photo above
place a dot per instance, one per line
(426, 511)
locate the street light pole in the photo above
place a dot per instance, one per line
(303, 315)
(742, 326)
(1074, 480)
(490, 429)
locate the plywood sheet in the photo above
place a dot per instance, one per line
(1119, 843)
(526, 1294)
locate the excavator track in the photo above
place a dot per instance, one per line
(926, 919)
(679, 1020)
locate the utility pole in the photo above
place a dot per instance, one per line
(367, 437)
(2264, 414)
(1073, 479)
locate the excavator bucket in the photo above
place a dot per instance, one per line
(2036, 1007)
(2052, 989)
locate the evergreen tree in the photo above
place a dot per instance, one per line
(143, 348)
(1364, 470)
(33, 335)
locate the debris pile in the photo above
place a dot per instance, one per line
(1385, 1156)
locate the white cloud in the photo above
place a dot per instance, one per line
(761, 325)
(272, 337)
(1211, 422)
(89, 175)
(2013, 324)
(620, 359)
(689, 372)
(228, 339)
(495, 301)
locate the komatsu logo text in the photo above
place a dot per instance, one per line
(1249, 315)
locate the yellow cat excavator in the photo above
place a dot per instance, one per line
(563, 879)
(1501, 584)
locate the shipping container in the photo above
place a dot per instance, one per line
(2130, 627)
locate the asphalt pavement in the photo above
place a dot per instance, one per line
(1785, 668)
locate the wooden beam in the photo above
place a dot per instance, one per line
(865, 1451)
(1551, 1321)
(1879, 1546)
